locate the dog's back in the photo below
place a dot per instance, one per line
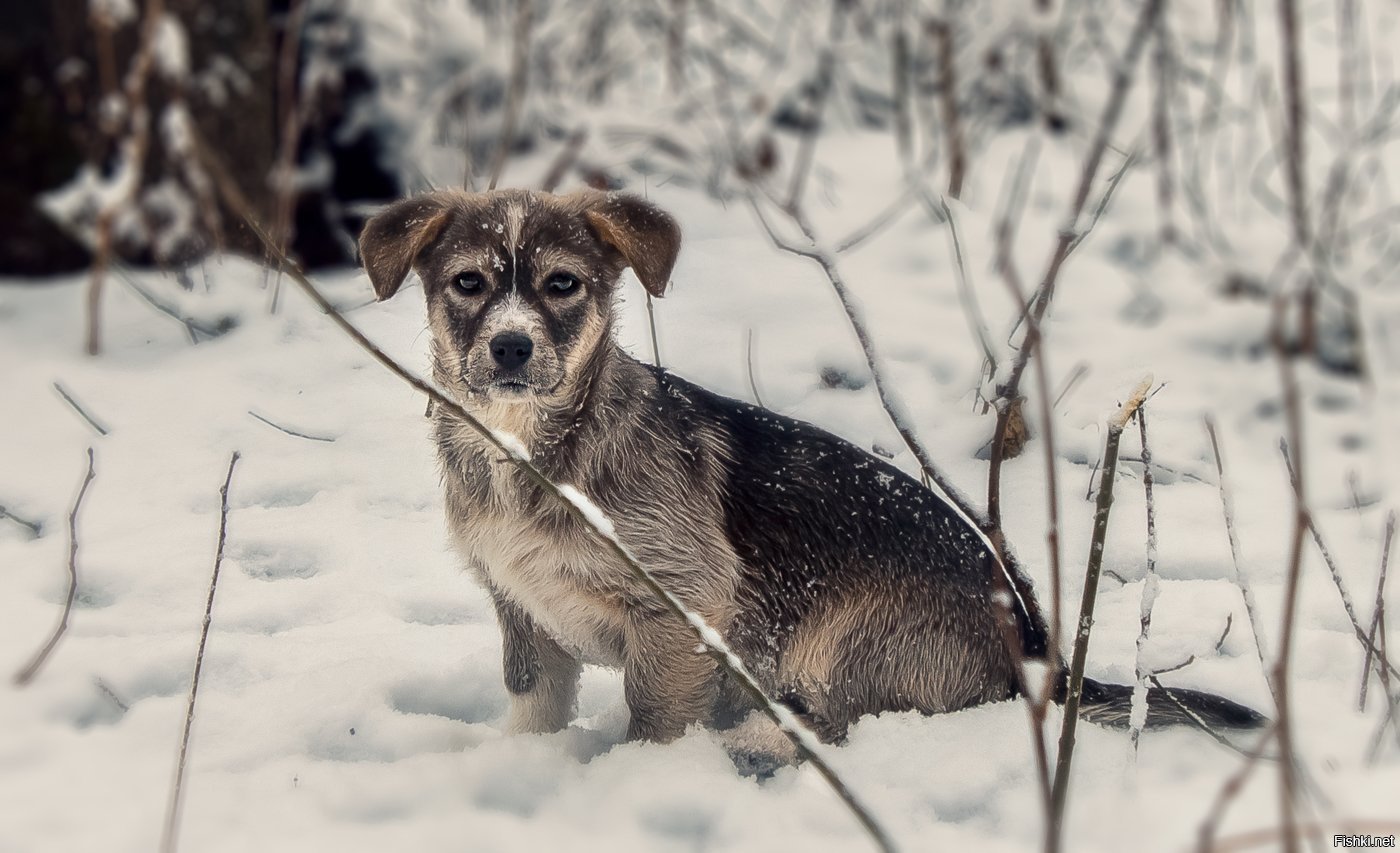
(847, 587)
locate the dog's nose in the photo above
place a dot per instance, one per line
(511, 349)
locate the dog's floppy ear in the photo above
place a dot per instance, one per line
(393, 239)
(648, 238)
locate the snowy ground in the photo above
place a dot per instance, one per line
(351, 696)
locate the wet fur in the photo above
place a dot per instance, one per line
(846, 587)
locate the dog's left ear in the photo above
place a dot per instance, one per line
(393, 239)
(646, 236)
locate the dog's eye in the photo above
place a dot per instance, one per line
(561, 283)
(470, 283)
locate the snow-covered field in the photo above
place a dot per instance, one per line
(351, 697)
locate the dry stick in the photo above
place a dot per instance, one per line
(77, 407)
(967, 295)
(134, 156)
(1065, 757)
(942, 34)
(25, 675)
(1241, 582)
(1040, 699)
(1009, 392)
(826, 71)
(1384, 670)
(172, 814)
(582, 512)
(515, 95)
(1149, 592)
(651, 324)
(35, 528)
(748, 360)
(1288, 782)
(1377, 633)
(290, 431)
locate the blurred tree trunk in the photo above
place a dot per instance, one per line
(57, 70)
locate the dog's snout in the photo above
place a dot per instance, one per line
(511, 349)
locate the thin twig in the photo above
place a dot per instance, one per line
(1065, 758)
(172, 814)
(82, 412)
(1242, 582)
(826, 71)
(1009, 392)
(651, 325)
(1376, 635)
(1288, 781)
(290, 431)
(803, 740)
(748, 363)
(26, 675)
(1368, 646)
(106, 690)
(35, 528)
(1149, 592)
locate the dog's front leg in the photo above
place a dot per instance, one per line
(668, 683)
(541, 676)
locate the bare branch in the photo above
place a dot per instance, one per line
(36, 529)
(1063, 761)
(82, 412)
(1376, 636)
(748, 361)
(1149, 593)
(26, 675)
(172, 814)
(290, 431)
(826, 72)
(1288, 772)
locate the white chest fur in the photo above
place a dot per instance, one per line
(561, 581)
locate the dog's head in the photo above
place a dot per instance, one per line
(519, 284)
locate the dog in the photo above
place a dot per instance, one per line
(845, 586)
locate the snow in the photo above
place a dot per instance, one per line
(352, 695)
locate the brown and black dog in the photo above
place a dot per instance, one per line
(845, 586)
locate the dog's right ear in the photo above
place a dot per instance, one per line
(393, 239)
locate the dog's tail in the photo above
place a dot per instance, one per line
(1112, 704)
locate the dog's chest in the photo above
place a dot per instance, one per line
(558, 576)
